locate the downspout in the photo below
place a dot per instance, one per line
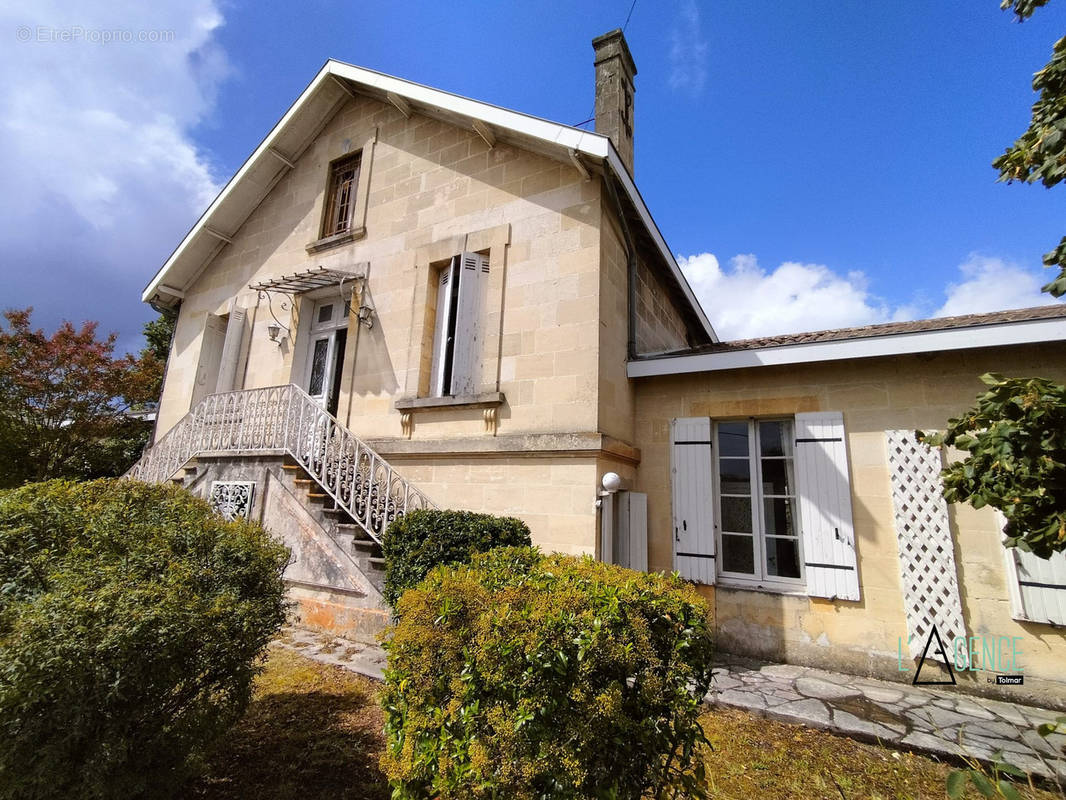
(631, 261)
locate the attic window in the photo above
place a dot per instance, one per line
(340, 197)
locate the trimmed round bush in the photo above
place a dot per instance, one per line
(528, 676)
(421, 540)
(131, 622)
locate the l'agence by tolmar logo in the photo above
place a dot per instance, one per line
(1000, 655)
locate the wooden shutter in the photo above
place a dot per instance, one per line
(440, 330)
(629, 530)
(633, 535)
(824, 492)
(231, 350)
(469, 327)
(210, 358)
(693, 506)
(1038, 590)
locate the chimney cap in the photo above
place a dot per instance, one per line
(604, 49)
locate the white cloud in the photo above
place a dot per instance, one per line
(744, 300)
(993, 284)
(101, 176)
(688, 51)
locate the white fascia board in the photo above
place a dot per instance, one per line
(592, 144)
(264, 147)
(996, 335)
(638, 202)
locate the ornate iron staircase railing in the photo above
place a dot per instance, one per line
(285, 419)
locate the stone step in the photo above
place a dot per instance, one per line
(318, 496)
(379, 563)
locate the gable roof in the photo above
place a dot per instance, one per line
(331, 88)
(998, 328)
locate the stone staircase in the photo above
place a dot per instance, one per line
(338, 523)
(350, 479)
(275, 455)
(364, 552)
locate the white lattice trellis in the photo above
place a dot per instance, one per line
(926, 553)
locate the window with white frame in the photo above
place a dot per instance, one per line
(458, 328)
(764, 503)
(755, 490)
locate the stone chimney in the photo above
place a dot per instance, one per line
(615, 71)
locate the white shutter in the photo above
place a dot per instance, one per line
(440, 331)
(466, 357)
(637, 530)
(231, 350)
(693, 505)
(629, 535)
(1038, 593)
(824, 492)
(210, 358)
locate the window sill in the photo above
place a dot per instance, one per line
(793, 590)
(336, 240)
(414, 404)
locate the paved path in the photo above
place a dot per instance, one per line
(366, 659)
(943, 721)
(922, 718)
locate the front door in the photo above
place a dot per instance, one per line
(325, 357)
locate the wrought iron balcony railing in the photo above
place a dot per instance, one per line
(285, 419)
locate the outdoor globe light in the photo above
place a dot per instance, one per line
(612, 482)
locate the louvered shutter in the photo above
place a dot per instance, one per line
(210, 358)
(466, 357)
(693, 504)
(231, 350)
(440, 332)
(1039, 590)
(824, 492)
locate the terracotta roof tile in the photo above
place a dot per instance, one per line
(1054, 311)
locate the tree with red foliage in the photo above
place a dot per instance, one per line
(63, 402)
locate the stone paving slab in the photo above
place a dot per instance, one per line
(933, 720)
(366, 659)
(923, 718)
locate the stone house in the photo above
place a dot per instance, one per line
(406, 298)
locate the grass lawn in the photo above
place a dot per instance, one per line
(314, 732)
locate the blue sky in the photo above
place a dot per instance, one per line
(814, 164)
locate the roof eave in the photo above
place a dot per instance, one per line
(564, 138)
(995, 335)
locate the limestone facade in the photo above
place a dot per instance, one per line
(875, 395)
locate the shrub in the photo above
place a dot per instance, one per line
(131, 618)
(528, 676)
(421, 540)
(1015, 436)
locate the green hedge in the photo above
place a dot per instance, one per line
(131, 620)
(421, 540)
(527, 676)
